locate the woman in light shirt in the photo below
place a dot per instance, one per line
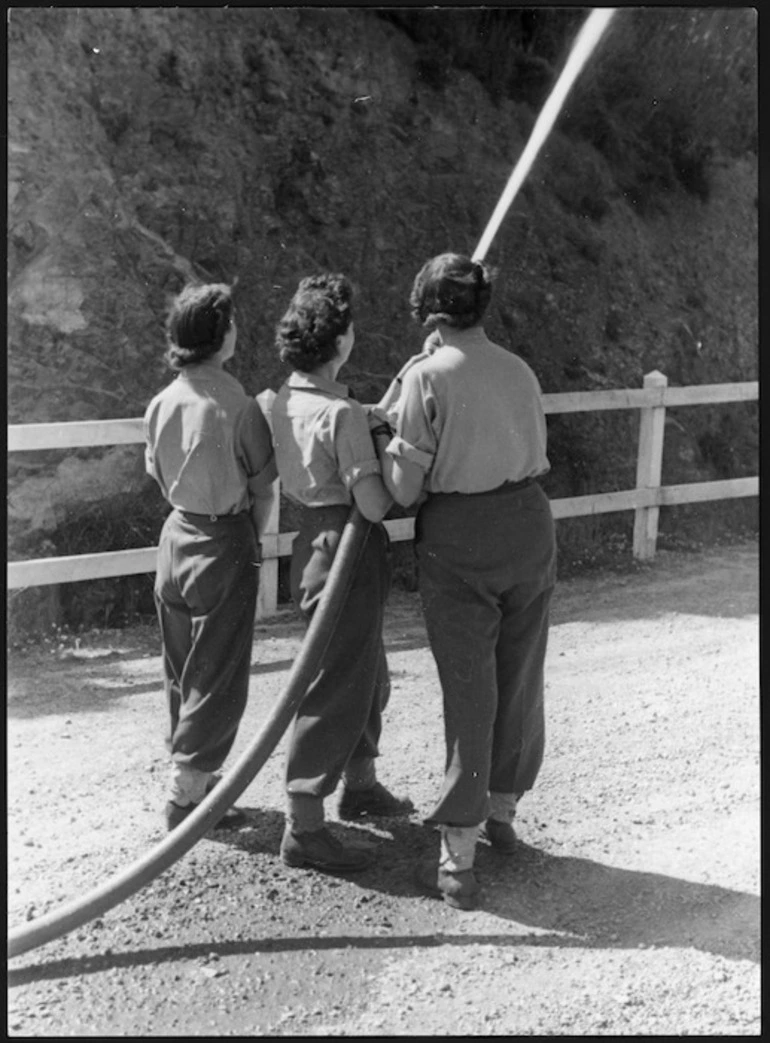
(469, 445)
(327, 462)
(208, 446)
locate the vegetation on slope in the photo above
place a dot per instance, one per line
(151, 145)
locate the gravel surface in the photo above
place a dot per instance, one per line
(631, 908)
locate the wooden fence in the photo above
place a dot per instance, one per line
(645, 499)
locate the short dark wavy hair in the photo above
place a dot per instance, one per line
(197, 322)
(453, 289)
(319, 312)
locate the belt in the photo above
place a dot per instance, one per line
(506, 487)
(209, 517)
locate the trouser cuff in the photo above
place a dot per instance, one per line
(458, 848)
(306, 813)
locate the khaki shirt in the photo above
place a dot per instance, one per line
(470, 415)
(322, 441)
(205, 438)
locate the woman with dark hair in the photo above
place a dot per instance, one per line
(208, 446)
(470, 442)
(327, 461)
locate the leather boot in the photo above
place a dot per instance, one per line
(320, 850)
(501, 835)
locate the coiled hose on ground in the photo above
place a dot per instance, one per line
(135, 876)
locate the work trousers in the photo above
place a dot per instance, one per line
(487, 566)
(340, 718)
(205, 593)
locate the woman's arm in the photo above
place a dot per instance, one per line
(402, 478)
(356, 462)
(261, 498)
(372, 498)
(257, 457)
(405, 468)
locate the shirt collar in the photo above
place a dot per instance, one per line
(315, 382)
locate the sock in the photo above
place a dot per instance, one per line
(306, 813)
(503, 806)
(359, 774)
(458, 848)
(187, 785)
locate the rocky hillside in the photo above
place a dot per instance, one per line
(150, 146)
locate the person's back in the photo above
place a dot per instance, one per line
(203, 428)
(327, 462)
(470, 443)
(208, 446)
(322, 442)
(483, 404)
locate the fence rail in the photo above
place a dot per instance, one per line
(645, 499)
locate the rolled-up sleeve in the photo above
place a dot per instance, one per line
(414, 419)
(149, 445)
(400, 449)
(149, 460)
(353, 446)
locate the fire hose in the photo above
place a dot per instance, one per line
(321, 629)
(223, 796)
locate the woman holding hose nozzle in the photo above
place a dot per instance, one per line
(327, 461)
(470, 439)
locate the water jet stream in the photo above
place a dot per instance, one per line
(585, 42)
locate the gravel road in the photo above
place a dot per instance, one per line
(631, 908)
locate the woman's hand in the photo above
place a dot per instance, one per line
(376, 416)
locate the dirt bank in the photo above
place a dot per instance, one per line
(632, 907)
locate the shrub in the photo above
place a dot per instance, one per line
(119, 523)
(509, 50)
(666, 89)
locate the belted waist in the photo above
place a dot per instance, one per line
(509, 487)
(198, 518)
(505, 488)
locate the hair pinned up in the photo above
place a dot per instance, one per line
(197, 322)
(318, 313)
(453, 289)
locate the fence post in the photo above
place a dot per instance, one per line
(649, 466)
(267, 596)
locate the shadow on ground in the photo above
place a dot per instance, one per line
(553, 901)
